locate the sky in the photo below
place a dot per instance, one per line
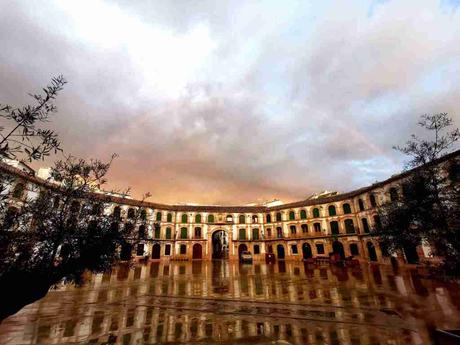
(232, 102)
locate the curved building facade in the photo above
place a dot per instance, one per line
(310, 229)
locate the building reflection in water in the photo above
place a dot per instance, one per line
(222, 301)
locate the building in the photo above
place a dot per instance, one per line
(312, 228)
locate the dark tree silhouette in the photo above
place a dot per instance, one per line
(427, 203)
(64, 229)
(20, 131)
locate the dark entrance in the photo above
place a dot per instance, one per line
(242, 248)
(371, 251)
(306, 251)
(140, 249)
(337, 248)
(197, 251)
(126, 252)
(410, 251)
(219, 245)
(156, 251)
(280, 251)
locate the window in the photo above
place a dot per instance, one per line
(334, 228)
(140, 249)
(304, 228)
(142, 231)
(210, 218)
(131, 213)
(183, 249)
(278, 217)
(349, 226)
(198, 218)
(255, 234)
(279, 232)
(158, 216)
(331, 210)
(365, 225)
(303, 214)
(198, 232)
(394, 194)
(269, 232)
(157, 230)
(229, 218)
(291, 215)
(168, 233)
(320, 248)
(143, 214)
(255, 219)
(168, 249)
(183, 233)
(294, 249)
(117, 212)
(346, 208)
(373, 201)
(293, 229)
(354, 249)
(269, 218)
(241, 219)
(361, 205)
(256, 249)
(18, 190)
(377, 222)
(317, 227)
(315, 213)
(242, 234)
(184, 218)
(169, 217)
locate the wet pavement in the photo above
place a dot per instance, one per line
(228, 303)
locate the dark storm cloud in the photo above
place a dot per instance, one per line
(230, 101)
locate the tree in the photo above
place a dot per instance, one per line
(65, 229)
(61, 233)
(21, 134)
(427, 205)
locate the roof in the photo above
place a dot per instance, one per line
(228, 209)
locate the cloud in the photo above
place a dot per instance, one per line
(233, 101)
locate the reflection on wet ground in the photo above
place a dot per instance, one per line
(224, 302)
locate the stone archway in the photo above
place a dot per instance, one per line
(126, 252)
(280, 252)
(197, 251)
(337, 248)
(242, 248)
(306, 251)
(371, 251)
(219, 244)
(156, 251)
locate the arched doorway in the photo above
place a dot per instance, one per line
(140, 249)
(337, 248)
(156, 251)
(280, 251)
(371, 251)
(126, 250)
(306, 251)
(219, 242)
(410, 251)
(242, 248)
(197, 251)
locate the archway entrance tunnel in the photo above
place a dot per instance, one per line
(219, 243)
